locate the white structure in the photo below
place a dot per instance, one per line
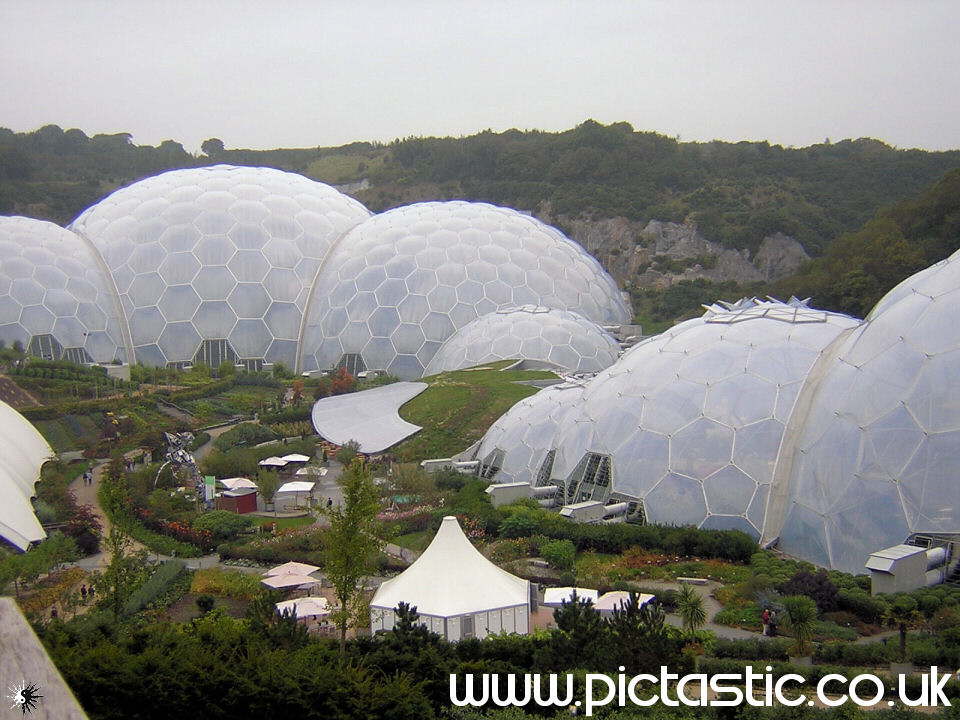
(217, 263)
(903, 568)
(506, 493)
(23, 451)
(238, 483)
(305, 607)
(401, 283)
(291, 568)
(877, 458)
(293, 495)
(618, 600)
(54, 297)
(555, 597)
(557, 338)
(457, 592)
(369, 417)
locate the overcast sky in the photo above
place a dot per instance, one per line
(325, 72)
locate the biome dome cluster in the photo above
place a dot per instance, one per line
(250, 265)
(822, 435)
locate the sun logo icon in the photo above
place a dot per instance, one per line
(24, 695)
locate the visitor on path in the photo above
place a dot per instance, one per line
(90, 592)
(773, 624)
(83, 594)
(765, 619)
(329, 503)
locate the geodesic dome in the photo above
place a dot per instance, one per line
(877, 458)
(559, 338)
(403, 282)
(216, 263)
(55, 297)
(690, 422)
(521, 445)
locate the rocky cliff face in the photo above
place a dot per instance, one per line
(658, 254)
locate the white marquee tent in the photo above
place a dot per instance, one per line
(458, 593)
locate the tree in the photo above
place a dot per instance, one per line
(817, 586)
(348, 452)
(212, 147)
(559, 553)
(297, 387)
(267, 483)
(351, 543)
(801, 613)
(903, 614)
(690, 608)
(124, 573)
(581, 637)
(342, 382)
(640, 638)
(226, 369)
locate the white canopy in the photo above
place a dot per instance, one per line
(238, 483)
(369, 417)
(555, 597)
(451, 578)
(312, 606)
(313, 470)
(296, 457)
(273, 462)
(278, 582)
(296, 486)
(291, 568)
(618, 599)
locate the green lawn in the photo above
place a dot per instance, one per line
(417, 541)
(283, 523)
(458, 408)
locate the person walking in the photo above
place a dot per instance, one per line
(83, 594)
(765, 619)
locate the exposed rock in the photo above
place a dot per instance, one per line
(659, 254)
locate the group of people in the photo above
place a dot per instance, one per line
(88, 477)
(86, 592)
(769, 619)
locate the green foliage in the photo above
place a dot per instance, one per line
(559, 553)
(223, 524)
(160, 580)
(351, 542)
(245, 434)
(347, 452)
(690, 608)
(205, 603)
(800, 615)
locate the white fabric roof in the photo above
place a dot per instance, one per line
(296, 457)
(311, 470)
(370, 417)
(451, 578)
(554, 597)
(288, 581)
(296, 486)
(618, 599)
(305, 607)
(238, 483)
(273, 462)
(291, 568)
(23, 451)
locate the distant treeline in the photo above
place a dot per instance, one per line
(736, 192)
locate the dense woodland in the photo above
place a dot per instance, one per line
(826, 195)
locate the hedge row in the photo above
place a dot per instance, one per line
(81, 407)
(157, 584)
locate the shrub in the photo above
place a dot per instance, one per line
(225, 583)
(205, 603)
(816, 586)
(245, 434)
(559, 553)
(222, 524)
(159, 581)
(865, 606)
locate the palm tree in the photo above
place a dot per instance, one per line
(690, 608)
(902, 614)
(801, 614)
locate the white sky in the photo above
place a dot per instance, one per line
(325, 72)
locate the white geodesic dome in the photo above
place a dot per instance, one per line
(402, 282)
(55, 297)
(690, 422)
(877, 458)
(521, 445)
(559, 338)
(216, 263)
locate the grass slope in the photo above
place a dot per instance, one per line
(458, 407)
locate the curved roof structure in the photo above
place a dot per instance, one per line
(689, 422)
(56, 299)
(452, 578)
(404, 281)
(560, 338)
(23, 451)
(216, 263)
(877, 457)
(369, 417)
